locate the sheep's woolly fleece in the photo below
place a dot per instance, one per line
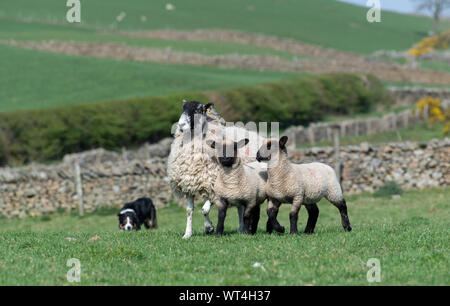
(310, 182)
(192, 168)
(243, 182)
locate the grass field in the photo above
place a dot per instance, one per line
(410, 237)
(46, 79)
(323, 22)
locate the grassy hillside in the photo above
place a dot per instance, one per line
(324, 22)
(43, 79)
(36, 31)
(410, 237)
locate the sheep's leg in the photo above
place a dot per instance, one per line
(342, 206)
(293, 217)
(248, 218)
(240, 209)
(222, 207)
(209, 228)
(256, 213)
(189, 213)
(272, 213)
(313, 214)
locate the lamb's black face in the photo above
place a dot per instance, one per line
(127, 221)
(271, 147)
(227, 151)
(194, 114)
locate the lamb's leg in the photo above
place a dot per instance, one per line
(189, 212)
(248, 214)
(222, 208)
(313, 214)
(256, 212)
(241, 209)
(209, 228)
(272, 213)
(342, 206)
(293, 216)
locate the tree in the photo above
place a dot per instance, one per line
(436, 7)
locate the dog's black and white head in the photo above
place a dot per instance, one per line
(127, 220)
(193, 115)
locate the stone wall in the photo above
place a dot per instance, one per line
(406, 96)
(111, 179)
(317, 132)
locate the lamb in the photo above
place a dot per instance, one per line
(238, 184)
(191, 168)
(298, 184)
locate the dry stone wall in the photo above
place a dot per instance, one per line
(111, 179)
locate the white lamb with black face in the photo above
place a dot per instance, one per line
(238, 184)
(192, 168)
(298, 184)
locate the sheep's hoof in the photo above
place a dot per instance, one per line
(294, 233)
(209, 230)
(309, 231)
(348, 228)
(280, 229)
(187, 235)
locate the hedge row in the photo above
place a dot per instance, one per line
(49, 134)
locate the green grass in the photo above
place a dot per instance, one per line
(11, 29)
(324, 22)
(435, 65)
(44, 79)
(410, 237)
(420, 132)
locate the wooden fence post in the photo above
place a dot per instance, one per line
(79, 187)
(337, 160)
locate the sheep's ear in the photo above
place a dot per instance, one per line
(242, 143)
(283, 141)
(211, 143)
(207, 107)
(184, 101)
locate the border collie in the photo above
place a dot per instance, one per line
(134, 214)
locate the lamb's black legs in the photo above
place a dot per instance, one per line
(272, 213)
(222, 207)
(313, 214)
(293, 218)
(221, 220)
(256, 212)
(342, 206)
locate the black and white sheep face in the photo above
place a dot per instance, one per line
(227, 151)
(193, 116)
(271, 148)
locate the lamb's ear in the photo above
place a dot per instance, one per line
(207, 107)
(242, 143)
(283, 141)
(211, 143)
(184, 101)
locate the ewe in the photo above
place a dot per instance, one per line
(298, 184)
(238, 184)
(192, 169)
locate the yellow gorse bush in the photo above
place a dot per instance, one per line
(431, 108)
(446, 130)
(440, 41)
